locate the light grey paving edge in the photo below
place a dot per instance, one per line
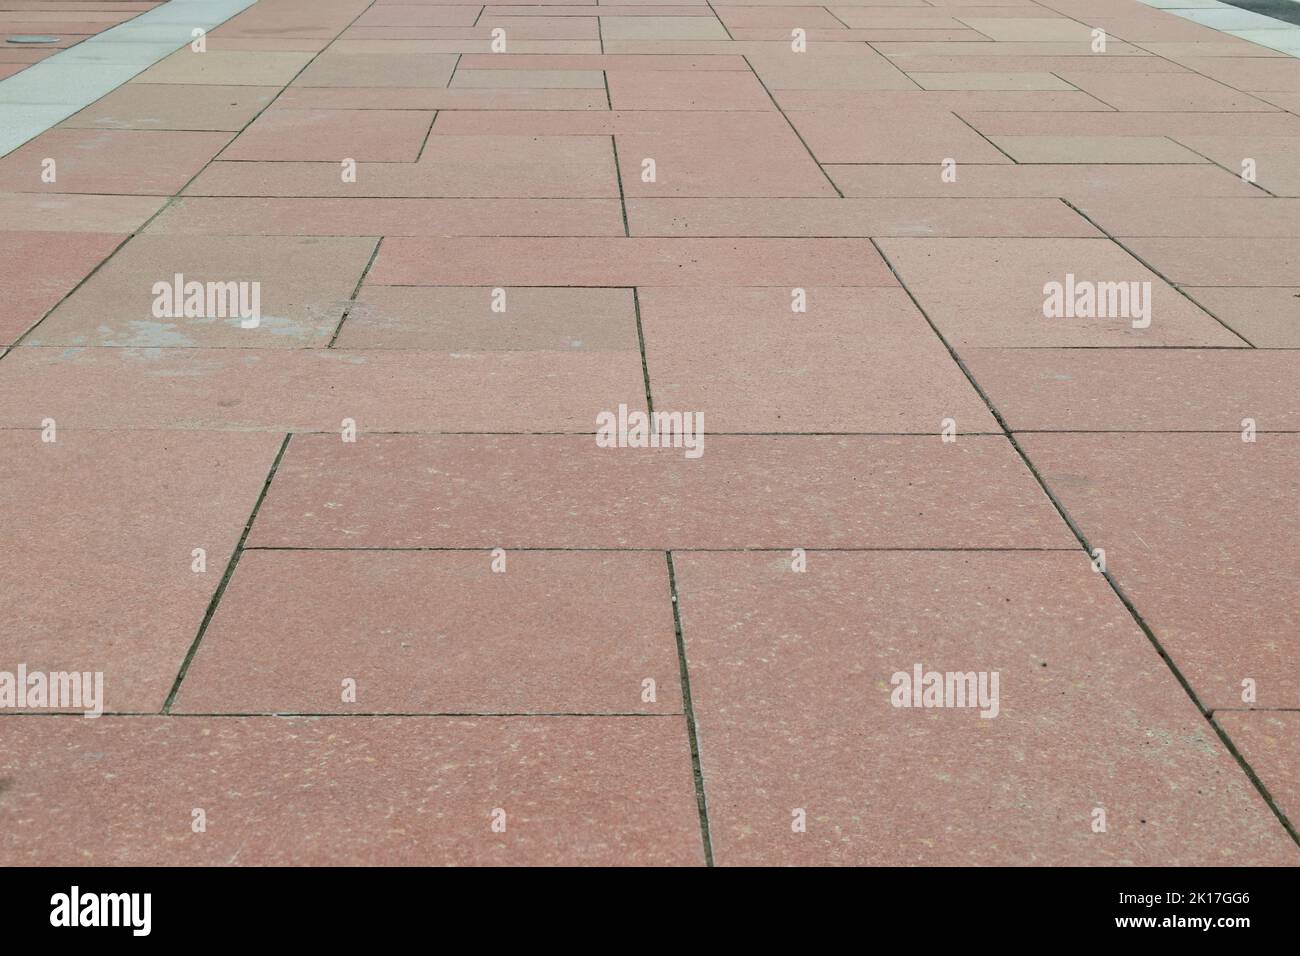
(1258, 28)
(51, 90)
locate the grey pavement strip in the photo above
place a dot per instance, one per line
(48, 92)
(1240, 19)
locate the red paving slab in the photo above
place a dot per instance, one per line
(282, 389)
(438, 632)
(304, 285)
(839, 259)
(274, 216)
(990, 292)
(37, 269)
(576, 790)
(480, 319)
(97, 573)
(1216, 585)
(1267, 740)
(793, 690)
(381, 136)
(466, 491)
(115, 161)
(863, 360)
(1157, 390)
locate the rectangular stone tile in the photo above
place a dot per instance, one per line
(856, 360)
(890, 16)
(37, 269)
(941, 101)
(1162, 91)
(987, 62)
(406, 98)
(685, 124)
(1095, 149)
(988, 81)
(1176, 126)
(658, 9)
(629, 262)
(603, 61)
(927, 137)
(378, 69)
(1268, 741)
(857, 68)
(1223, 45)
(785, 18)
(460, 40)
(239, 216)
(662, 28)
(464, 319)
(439, 15)
(994, 292)
(1180, 217)
(304, 390)
(846, 38)
(275, 44)
(1251, 74)
(532, 167)
(1197, 531)
(1275, 160)
(848, 218)
(228, 68)
(343, 791)
(1267, 318)
(377, 136)
(97, 572)
(529, 79)
(180, 107)
(548, 28)
(1031, 29)
(1018, 48)
(562, 491)
(551, 632)
(1197, 261)
(759, 156)
(303, 286)
(792, 684)
(556, 34)
(686, 90)
(1139, 389)
(137, 162)
(1074, 182)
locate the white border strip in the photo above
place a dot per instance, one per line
(50, 90)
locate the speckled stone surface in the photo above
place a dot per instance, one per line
(1198, 531)
(477, 233)
(100, 527)
(346, 791)
(559, 632)
(1267, 739)
(469, 491)
(791, 682)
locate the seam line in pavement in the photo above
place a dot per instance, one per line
(347, 310)
(622, 198)
(794, 129)
(1173, 285)
(225, 579)
(688, 706)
